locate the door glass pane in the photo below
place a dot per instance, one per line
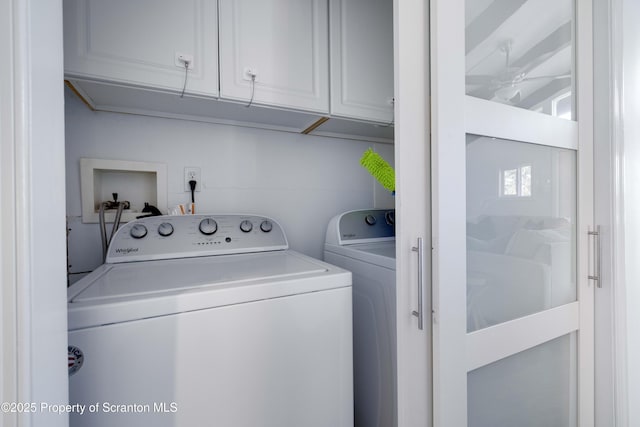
(521, 53)
(521, 219)
(534, 388)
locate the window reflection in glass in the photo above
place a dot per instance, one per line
(521, 53)
(521, 242)
(509, 182)
(525, 181)
(516, 182)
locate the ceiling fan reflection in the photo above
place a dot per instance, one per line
(506, 86)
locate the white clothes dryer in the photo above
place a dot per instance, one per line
(363, 242)
(210, 320)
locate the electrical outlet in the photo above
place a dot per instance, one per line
(192, 173)
(181, 58)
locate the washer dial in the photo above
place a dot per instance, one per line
(208, 226)
(246, 226)
(390, 217)
(165, 229)
(138, 231)
(266, 226)
(370, 219)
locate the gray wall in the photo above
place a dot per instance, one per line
(300, 180)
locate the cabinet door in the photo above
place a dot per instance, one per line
(284, 44)
(136, 42)
(361, 41)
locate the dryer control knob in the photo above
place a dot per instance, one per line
(390, 217)
(165, 229)
(138, 231)
(208, 226)
(246, 226)
(266, 226)
(370, 219)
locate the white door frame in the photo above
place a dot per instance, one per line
(32, 219)
(448, 212)
(624, 107)
(610, 304)
(411, 70)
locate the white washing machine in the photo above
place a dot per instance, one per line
(363, 242)
(210, 320)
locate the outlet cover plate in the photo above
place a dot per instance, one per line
(181, 57)
(192, 172)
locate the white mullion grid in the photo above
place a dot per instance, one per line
(496, 342)
(487, 118)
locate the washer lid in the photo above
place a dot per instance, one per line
(138, 290)
(157, 277)
(387, 250)
(379, 253)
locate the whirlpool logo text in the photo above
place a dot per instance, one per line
(126, 250)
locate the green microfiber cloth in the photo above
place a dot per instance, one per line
(379, 168)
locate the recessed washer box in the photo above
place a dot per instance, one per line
(135, 182)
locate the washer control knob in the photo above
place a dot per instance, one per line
(165, 229)
(370, 219)
(390, 217)
(208, 226)
(138, 231)
(246, 226)
(266, 226)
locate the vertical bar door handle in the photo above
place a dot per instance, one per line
(420, 312)
(596, 256)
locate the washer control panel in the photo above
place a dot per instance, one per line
(366, 225)
(184, 236)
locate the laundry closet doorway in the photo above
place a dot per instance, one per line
(496, 270)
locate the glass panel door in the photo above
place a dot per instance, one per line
(512, 204)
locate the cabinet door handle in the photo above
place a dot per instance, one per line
(596, 256)
(420, 312)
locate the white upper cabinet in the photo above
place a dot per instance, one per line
(127, 56)
(284, 43)
(361, 44)
(137, 43)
